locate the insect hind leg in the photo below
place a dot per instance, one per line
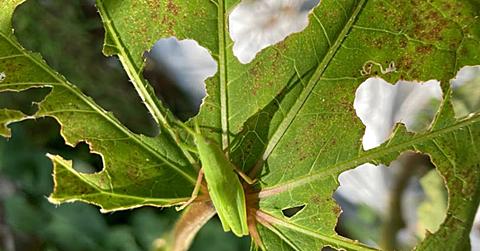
(195, 192)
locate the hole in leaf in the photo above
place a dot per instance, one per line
(33, 138)
(328, 249)
(52, 142)
(292, 211)
(392, 207)
(255, 25)
(177, 70)
(475, 233)
(466, 91)
(70, 38)
(23, 101)
(381, 105)
(84, 161)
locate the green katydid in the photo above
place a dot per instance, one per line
(224, 186)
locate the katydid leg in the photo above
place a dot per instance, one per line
(195, 192)
(245, 177)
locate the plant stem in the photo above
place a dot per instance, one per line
(187, 227)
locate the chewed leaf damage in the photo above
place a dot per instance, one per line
(380, 105)
(177, 69)
(255, 25)
(466, 91)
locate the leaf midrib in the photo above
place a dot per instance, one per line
(223, 74)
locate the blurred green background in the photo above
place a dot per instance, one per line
(69, 35)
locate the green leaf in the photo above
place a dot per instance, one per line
(287, 116)
(137, 169)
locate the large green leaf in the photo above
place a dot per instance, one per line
(137, 170)
(288, 114)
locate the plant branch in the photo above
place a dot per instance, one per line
(187, 227)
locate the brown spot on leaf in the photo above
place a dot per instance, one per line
(405, 63)
(337, 210)
(428, 26)
(172, 8)
(316, 199)
(403, 43)
(424, 49)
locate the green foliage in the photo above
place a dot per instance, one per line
(287, 116)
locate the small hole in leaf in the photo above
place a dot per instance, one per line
(42, 136)
(392, 207)
(23, 101)
(292, 211)
(84, 161)
(380, 105)
(178, 70)
(255, 25)
(466, 91)
(328, 249)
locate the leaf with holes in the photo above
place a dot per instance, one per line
(128, 159)
(286, 117)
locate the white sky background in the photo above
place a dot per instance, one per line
(255, 25)
(465, 75)
(466, 90)
(381, 106)
(187, 63)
